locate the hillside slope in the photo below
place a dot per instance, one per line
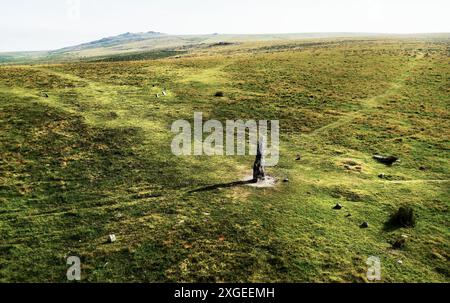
(92, 158)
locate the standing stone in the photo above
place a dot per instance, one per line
(258, 168)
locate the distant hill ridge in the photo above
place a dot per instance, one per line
(154, 44)
(112, 40)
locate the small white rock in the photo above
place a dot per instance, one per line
(400, 262)
(112, 238)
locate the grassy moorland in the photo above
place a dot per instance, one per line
(93, 158)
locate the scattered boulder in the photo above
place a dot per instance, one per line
(338, 206)
(286, 180)
(400, 262)
(45, 95)
(382, 176)
(352, 165)
(353, 168)
(387, 160)
(364, 225)
(423, 168)
(112, 238)
(298, 158)
(399, 243)
(219, 94)
(157, 95)
(404, 217)
(164, 93)
(112, 115)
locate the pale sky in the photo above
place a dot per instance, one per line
(52, 24)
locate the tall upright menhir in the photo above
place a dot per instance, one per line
(258, 167)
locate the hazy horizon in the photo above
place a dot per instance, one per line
(38, 25)
(231, 34)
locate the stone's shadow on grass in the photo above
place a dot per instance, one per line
(267, 182)
(392, 225)
(389, 226)
(223, 185)
(403, 218)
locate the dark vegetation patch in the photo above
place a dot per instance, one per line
(221, 44)
(154, 55)
(404, 217)
(23, 77)
(349, 195)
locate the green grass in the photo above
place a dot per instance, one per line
(94, 159)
